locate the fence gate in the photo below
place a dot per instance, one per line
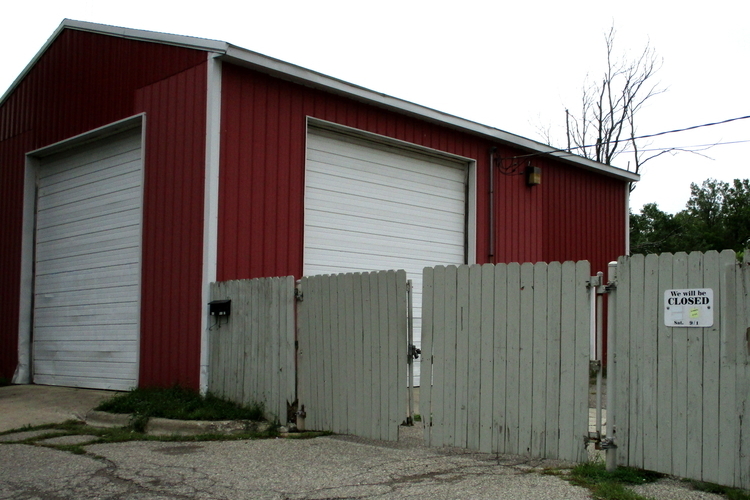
(352, 353)
(507, 347)
(682, 397)
(252, 349)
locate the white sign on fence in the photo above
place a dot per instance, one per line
(692, 307)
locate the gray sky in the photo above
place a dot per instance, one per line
(511, 66)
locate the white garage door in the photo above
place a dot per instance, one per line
(87, 267)
(370, 206)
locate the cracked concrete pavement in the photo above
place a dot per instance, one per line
(334, 467)
(339, 467)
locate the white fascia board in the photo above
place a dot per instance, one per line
(297, 74)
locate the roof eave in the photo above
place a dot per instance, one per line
(297, 74)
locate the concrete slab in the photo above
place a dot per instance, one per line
(30, 405)
(76, 439)
(17, 437)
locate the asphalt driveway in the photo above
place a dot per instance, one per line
(333, 467)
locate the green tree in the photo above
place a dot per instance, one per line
(654, 231)
(716, 217)
(719, 215)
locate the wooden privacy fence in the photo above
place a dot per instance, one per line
(682, 397)
(508, 346)
(252, 351)
(352, 353)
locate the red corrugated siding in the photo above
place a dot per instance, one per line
(572, 215)
(84, 81)
(171, 302)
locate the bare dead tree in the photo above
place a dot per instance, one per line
(606, 124)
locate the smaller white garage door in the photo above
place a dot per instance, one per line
(370, 206)
(87, 265)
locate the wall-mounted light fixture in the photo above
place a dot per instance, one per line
(533, 176)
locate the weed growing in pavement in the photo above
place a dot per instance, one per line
(727, 492)
(120, 435)
(610, 485)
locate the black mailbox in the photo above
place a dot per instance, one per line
(219, 307)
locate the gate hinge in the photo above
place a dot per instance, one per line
(608, 443)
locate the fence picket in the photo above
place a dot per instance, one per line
(567, 358)
(462, 357)
(526, 359)
(437, 410)
(650, 319)
(513, 368)
(425, 402)
(694, 413)
(635, 444)
(539, 360)
(743, 371)
(474, 364)
(553, 401)
(500, 355)
(581, 381)
(360, 355)
(620, 356)
(485, 392)
(710, 383)
(664, 371)
(451, 322)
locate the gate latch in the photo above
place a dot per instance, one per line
(414, 352)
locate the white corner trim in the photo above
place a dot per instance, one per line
(22, 374)
(210, 205)
(471, 201)
(627, 218)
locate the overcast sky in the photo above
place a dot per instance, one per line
(511, 65)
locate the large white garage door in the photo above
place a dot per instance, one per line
(370, 206)
(87, 267)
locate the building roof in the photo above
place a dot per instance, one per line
(275, 67)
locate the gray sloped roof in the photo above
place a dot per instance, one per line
(237, 55)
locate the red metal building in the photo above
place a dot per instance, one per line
(138, 167)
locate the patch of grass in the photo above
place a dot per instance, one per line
(610, 485)
(417, 417)
(177, 403)
(727, 492)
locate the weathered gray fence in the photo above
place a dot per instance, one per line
(252, 351)
(509, 347)
(352, 353)
(682, 394)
